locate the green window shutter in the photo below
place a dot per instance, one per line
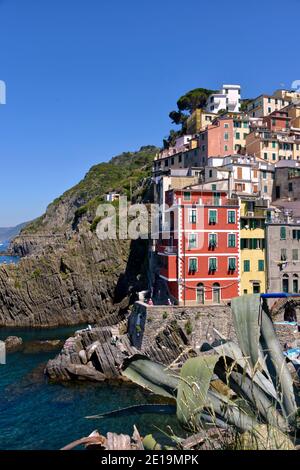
(261, 265)
(192, 265)
(231, 264)
(231, 240)
(187, 196)
(212, 216)
(212, 264)
(246, 265)
(231, 217)
(213, 239)
(213, 187)
(282, 233)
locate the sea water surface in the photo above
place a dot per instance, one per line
(35, 414)
(7, 259)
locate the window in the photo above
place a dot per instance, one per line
(231, 240)
(179, 158)
(187, 196)
(212, 264)
(256, 288)
(246, 265)
(213, 187)
(226, 125)
(252, 243)
(261, 265)
(283, 256)
(273, 144)
(212, 216)
(295, 285)
(285, 283)
(226, 136)
(226, 148)
(166, 163)
(295, 255)
(273, 156)
(237, 135)
(282, 233)
(231, 264)
(290, 187)
(231, 217)
(212, 240)
(265, 189)
(193, 265)
(192, 216)
(265, 156)
(172, 161)
(296, 234)
(192, 240)
(210, 173)
(264, 175)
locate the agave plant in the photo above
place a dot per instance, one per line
(258, 397)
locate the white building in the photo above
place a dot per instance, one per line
(228, 99)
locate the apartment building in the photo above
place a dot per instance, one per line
(240, 174)
(287, 180)
(226, 136)
(266, 104)
(273, 139)
(253, 215)
(198, 121)
(283, 253)
(200, 258)
(227, 99)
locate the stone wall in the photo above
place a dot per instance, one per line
(146, 321)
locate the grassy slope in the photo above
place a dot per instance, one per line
(118, 174)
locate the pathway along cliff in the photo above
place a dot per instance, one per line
(68, 276)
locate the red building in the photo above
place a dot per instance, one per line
(200, 252)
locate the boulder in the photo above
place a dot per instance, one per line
(13, 344)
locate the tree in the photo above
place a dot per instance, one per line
(194, 99)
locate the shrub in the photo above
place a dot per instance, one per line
(188, 327)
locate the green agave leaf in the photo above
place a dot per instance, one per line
(195, 377)
(231, 350)
(245, 311)
(279, 371)
(151, 375)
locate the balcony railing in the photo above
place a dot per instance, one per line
(221, 202)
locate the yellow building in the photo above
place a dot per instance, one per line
(198, 121)
(252, 245)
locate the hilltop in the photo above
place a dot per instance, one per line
(123, 173)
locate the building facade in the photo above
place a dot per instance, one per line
(200, 257)
(253, 245)
(228, 99)
(283, 254)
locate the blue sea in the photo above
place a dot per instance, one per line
(7, 259)
(35, 414)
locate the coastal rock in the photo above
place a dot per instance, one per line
(13, 344)
(86, 280)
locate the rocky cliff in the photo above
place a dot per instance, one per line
(66, 274)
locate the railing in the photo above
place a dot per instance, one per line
(221, 202)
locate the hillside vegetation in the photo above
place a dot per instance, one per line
(123, 173)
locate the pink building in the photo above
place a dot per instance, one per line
(217, 139)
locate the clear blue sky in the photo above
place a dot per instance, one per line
(88, 79)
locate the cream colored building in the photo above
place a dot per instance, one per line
(265, 104)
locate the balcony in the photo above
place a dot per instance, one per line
(169, 250)
(221, 202)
